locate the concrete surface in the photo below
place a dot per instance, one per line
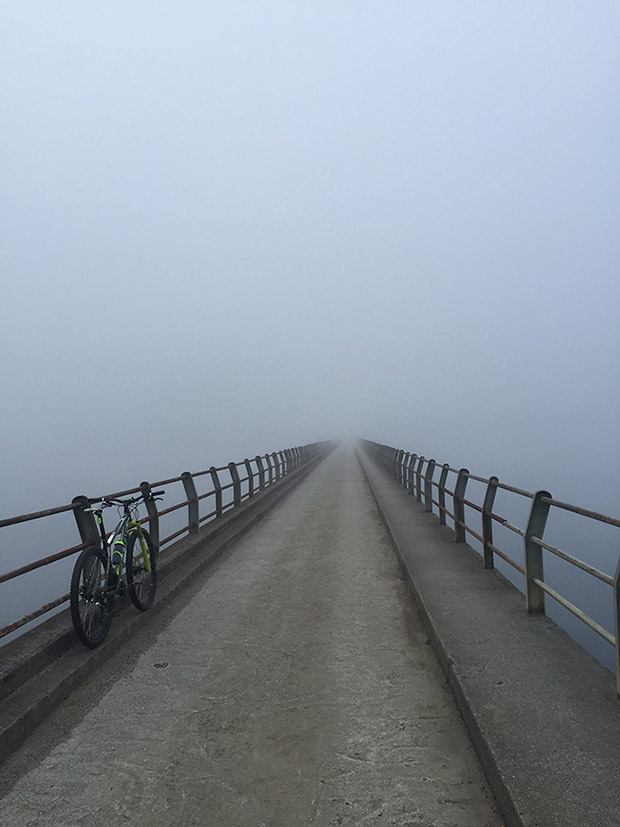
(294, 686)
(542, 713)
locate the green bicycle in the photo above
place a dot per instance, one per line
(125, 561)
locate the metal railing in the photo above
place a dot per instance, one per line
(242, 479)
(415, 473)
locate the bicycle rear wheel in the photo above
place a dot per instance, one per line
(141, 570)
(89, 600)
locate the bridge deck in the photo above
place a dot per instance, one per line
(294, 686)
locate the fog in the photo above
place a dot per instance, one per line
(228, 228)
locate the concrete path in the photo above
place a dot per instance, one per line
(294, 686)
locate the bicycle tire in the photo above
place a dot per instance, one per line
(90, 611)
(141, 584)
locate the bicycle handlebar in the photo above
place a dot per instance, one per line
(109, 501)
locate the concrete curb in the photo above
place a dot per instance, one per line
(40, 669)
(541, 712)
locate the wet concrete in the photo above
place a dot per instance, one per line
(295, 686)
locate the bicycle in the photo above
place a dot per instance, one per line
(125, 561)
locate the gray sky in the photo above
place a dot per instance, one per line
(229, 227)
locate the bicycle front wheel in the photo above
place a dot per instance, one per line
(89, 599)
(141, 570)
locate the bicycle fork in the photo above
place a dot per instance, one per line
(133, 526)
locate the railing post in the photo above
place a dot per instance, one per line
(151, 509)
(250, 478)
(276, 465)
(487, 522)
(283, 458)
(192, 502)
(617, 623)
(86, 524)
(401, 467)
(418, 479)
(217, 487)
(406, 468)
(403, 473)
(289, 460)
(428, 488)
(410, 474)
(534, 595)
(442, 492)
(459, 505)
(261, 472)
(234, 475)
(269, 468)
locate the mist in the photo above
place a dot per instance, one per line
(228, 228)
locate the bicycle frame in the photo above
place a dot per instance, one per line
(115, 543)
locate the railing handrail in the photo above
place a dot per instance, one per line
(36, 515)
(583, 512)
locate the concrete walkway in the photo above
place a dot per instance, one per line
(294, 687)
